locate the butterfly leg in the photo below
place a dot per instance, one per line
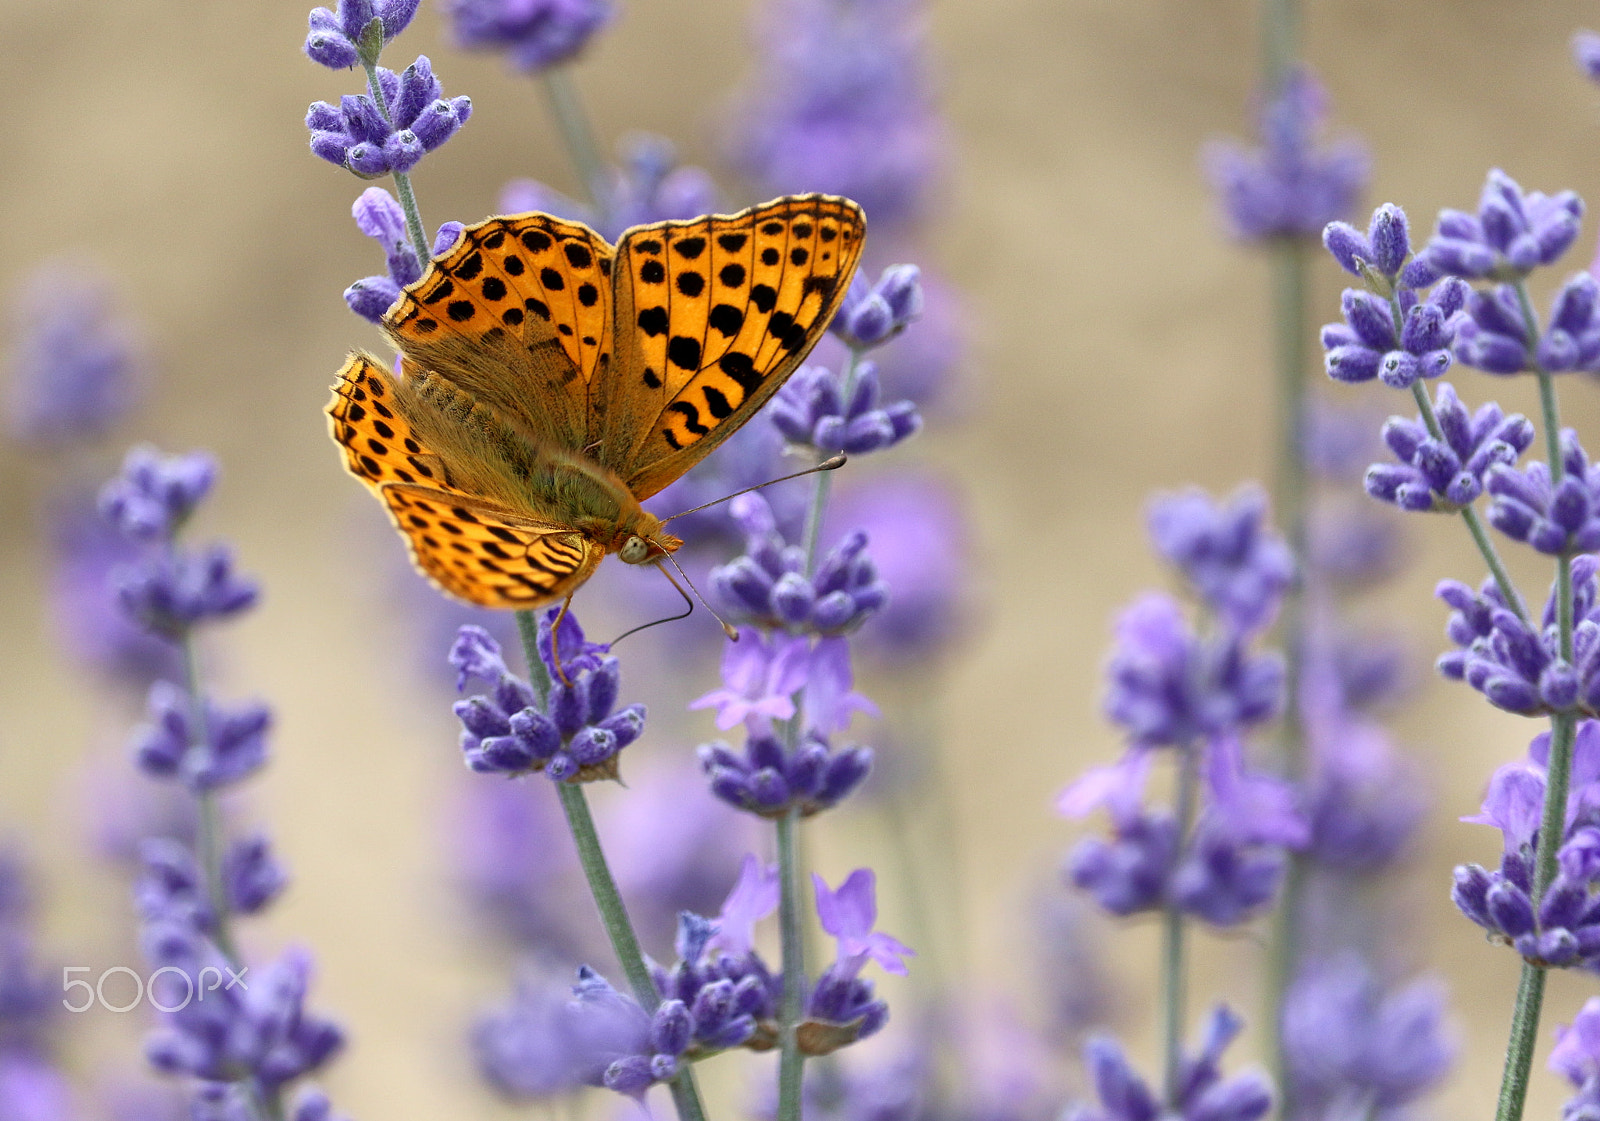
(555, 641)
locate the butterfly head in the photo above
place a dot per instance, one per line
(645, 544)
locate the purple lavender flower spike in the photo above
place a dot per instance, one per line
(1167, 687)
(767, 780)
(172, 593)
(1558, 519)
(810, 410)
(1289, 187)
(1129, 873)
(75, 363)
(1239, 566)
(526, 1049)
(1493, 335)
(1204, 1095)
(1367, 344)
(1346, 1037)
(251, 876)
(360, 137)
(155, 494)
(535, 34)
(166, 747)
(1512, 233)
(578, 734)
(873, 313)
(1447, 475)
(1384, 248)
(337, 38)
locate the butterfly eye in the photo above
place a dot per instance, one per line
(635, 550)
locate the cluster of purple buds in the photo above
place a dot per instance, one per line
(1362, 805)
(1382, 252)
(769, 780)
(228, 1026)
(1202, 1093)
(1447, 474)
(28, 1000)
(872, 314)
(811, 410)
(1556, 518)
(1170, 686)
(535, 34)
(1497, 335)
(1563, 929)
(1368, 345)
(1240, 568)
(388, 129)
(1517, 668)
(168, 590)
(1513, 233)
(379, 216)
(574, 736)
(767, 586)
(1577, 1051)
(1289, 187)
(203, 750)
(172, 886)
(345, 36)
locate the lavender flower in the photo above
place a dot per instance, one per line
(760, 676)
(1204, 1095)
(155, 494)
(1352, 1044)
(1564, 929)
(75, 365)
(1577, 1053)
(379, 216)
(811, 411)
(768, 780)
(1495, 336)
(1170, 687)
(1447, 474)
(535, 34)
(1586, 53)
(1289, 187)
(1384, 248)
(338, 38)
(1362, 802)
(388, 129)
(1558, 519)
(1368, 344)
(29, 1077)
(575, 737)
(1512, 233)
(842, 1007)
(171, 745)
(1238, 566)
(872, 314)
(526, 1048)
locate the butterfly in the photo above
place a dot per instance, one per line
(548, 383)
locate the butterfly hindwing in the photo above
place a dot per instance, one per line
(712, 316)
(518, 314)
(473, 549)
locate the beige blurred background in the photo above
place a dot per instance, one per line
(1118, 344)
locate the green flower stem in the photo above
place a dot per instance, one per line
(603, 886)
(402, 182)
(567, 108)
(1519, 1048)
(791, 1063)
(1172, 939)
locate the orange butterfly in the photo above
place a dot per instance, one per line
(549, 383)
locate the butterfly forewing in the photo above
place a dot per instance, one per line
(517, 313)
(473, 549)
(712, 315)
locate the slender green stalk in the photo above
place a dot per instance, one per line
(791, 1063)
(1519, 1048)
(1172, 939)
(1280, 39)
(567, 108)
(402, 182)
(603, 886)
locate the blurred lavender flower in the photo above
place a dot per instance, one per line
(336, 37)
(1447, 474)
(1512, 233)
(843, 104)
(1339, 440)
(75, 364)
(1169, 687)
(32, 1088)
(1494, 336)
(1362, 800)
(379, 216)
(1203, 1094)
(1577, 1052)
(874, 313)
(1289, 187)
(574, 737)
(1350, 545)
(767, 586)
(1354, 1048)
(1558, 519)
(1564, 930)
(390, 129)
(1369, 344)
(155, 494)
(811, 411)
(171, 746)
(1240, 568)
(535, 34)
(525, 1049)
(1586, 53)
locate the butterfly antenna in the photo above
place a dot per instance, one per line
(832, 464)
(689, 603)
(555, 642)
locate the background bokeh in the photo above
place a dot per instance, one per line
(1117, 343)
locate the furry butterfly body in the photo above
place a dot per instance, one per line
(549, 383)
